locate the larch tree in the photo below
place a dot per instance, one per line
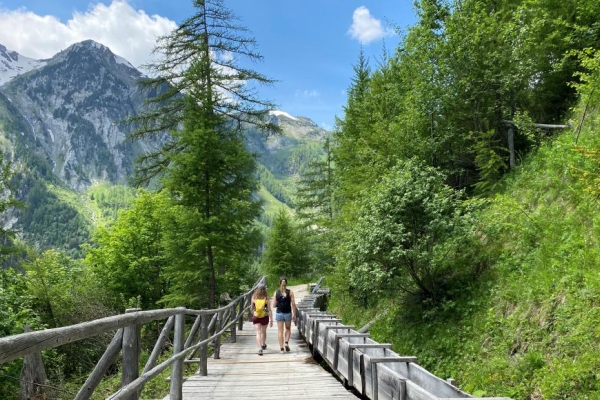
(205, 100)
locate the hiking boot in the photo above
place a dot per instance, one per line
(264, 346)
(260, 352)
(287, 347)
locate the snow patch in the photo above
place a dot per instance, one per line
(51, 135)
(13, 64)
(121, 60)
(279, 113)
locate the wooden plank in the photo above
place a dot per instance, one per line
(240, 370)
(337, 352)
(17, 346)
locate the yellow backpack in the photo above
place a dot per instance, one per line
(260, 306)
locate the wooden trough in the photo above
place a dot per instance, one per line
(373, 369)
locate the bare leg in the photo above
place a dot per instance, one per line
(288, 333)
(257, 328)
(263, 329)
(280, 333)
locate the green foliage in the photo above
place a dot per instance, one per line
(16, 304)
(64, 292)
(107, 200)
(128, 256)
(205, 101)
(405, 231)
(286, 250)
(52, 218)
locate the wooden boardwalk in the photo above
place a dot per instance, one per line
(241, 373)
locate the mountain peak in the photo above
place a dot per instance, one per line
(279, 113)
(13, 64)
(98, 49)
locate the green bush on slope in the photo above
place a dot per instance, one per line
(529, 326)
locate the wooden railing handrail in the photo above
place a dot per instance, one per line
(136, 384)
(224, 318)
(17, 346)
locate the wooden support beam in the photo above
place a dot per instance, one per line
(108, 358)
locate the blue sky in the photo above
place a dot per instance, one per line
(309, 46)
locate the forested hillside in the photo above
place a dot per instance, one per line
(463, 227)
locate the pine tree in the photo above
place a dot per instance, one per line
(349, 131)
(286, 250)
(314, 205)
(205, 99)
(314, 208)
(212, 34)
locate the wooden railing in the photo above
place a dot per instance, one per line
(370, 368)
(222, 320)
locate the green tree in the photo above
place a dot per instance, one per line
(207, 46)
(349, 148)
(314, 192)
(16, 311)
(128, 256)
(314, 208)
(214, 182)
(205, 98)
(408, 227)
(286, 250)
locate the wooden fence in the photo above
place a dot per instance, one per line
(226, 319)
(371, 368)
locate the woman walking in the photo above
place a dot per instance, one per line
(285, 305)
(261, 308)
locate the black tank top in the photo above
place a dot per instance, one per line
(284, 304)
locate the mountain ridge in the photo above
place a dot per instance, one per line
(62, 124)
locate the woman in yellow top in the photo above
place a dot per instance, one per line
(261, 310)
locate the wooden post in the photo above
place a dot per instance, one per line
(204, 348)
(33, 375)
(400, 389)
(176, 390)
(336, 350)
(233, 336)
(241, 313)
(131, 354)
(511, 146)
(217, 341)
(375, 362)
(327, 329)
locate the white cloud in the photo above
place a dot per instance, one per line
(311, 94)
(127, 32)
(365, 28)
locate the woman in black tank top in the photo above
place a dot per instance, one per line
(285, 305)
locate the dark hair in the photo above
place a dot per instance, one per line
(283, 278)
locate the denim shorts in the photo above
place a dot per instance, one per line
(283, 317)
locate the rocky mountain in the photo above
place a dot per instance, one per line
(61, 122)
(13, 64)
(74, 106)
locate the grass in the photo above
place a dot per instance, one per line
(529, 326)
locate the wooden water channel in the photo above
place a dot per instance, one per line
(359, 366)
